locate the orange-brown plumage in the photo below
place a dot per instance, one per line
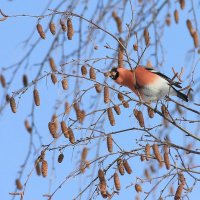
(147, 83)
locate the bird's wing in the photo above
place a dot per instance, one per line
(176, 84)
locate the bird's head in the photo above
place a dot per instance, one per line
(113, 73)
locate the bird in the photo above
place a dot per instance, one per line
(147, 83)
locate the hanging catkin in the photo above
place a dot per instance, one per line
(109, 143)
(117, 181)
(70, 29)
(111, 116)
(40, 31)
(36, 97)
(52, 28)
(13, 105)
(106, 94)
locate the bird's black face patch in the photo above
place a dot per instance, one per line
(114, 74)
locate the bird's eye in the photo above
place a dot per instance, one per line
(113, 74)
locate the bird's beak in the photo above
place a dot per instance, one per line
(108, 74)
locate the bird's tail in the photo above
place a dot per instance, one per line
(182, 96)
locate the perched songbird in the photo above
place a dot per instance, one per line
(147, 83)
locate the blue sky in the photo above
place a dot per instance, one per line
(15, 140)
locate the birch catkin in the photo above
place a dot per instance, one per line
(176, 16)
(18, 184)
(54, 78)
(120, 166)
(138, 188)
(166, 160)
(117, 109)
(118, 21)
(150, 112)
(140, 118)
(189, 26)
(3, 80)
(103, 190)
(84, 154)
(52, 28)
(101, 175)
(157, 154)
(146, 37)
(36, 97)
(60, 158)
(67, 108)
(106, 94)
(121, 54)
(111, 116)
(27, 126)
(109, 143)
(195, 39)
(52, 64)
(25, 80)
(70, 29)
(97, 87)
(147, 151)
(44, 168)
(13, 105)
(63, 26)
(71, 136)
(64, 129)
(52, 129)
(37, 167)
(83, 70)
(182, 4)
(40, 31)
(117, 181)
(64, 84)
(92, 73)
(127, 167)
(179, 192)
(120, 96)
